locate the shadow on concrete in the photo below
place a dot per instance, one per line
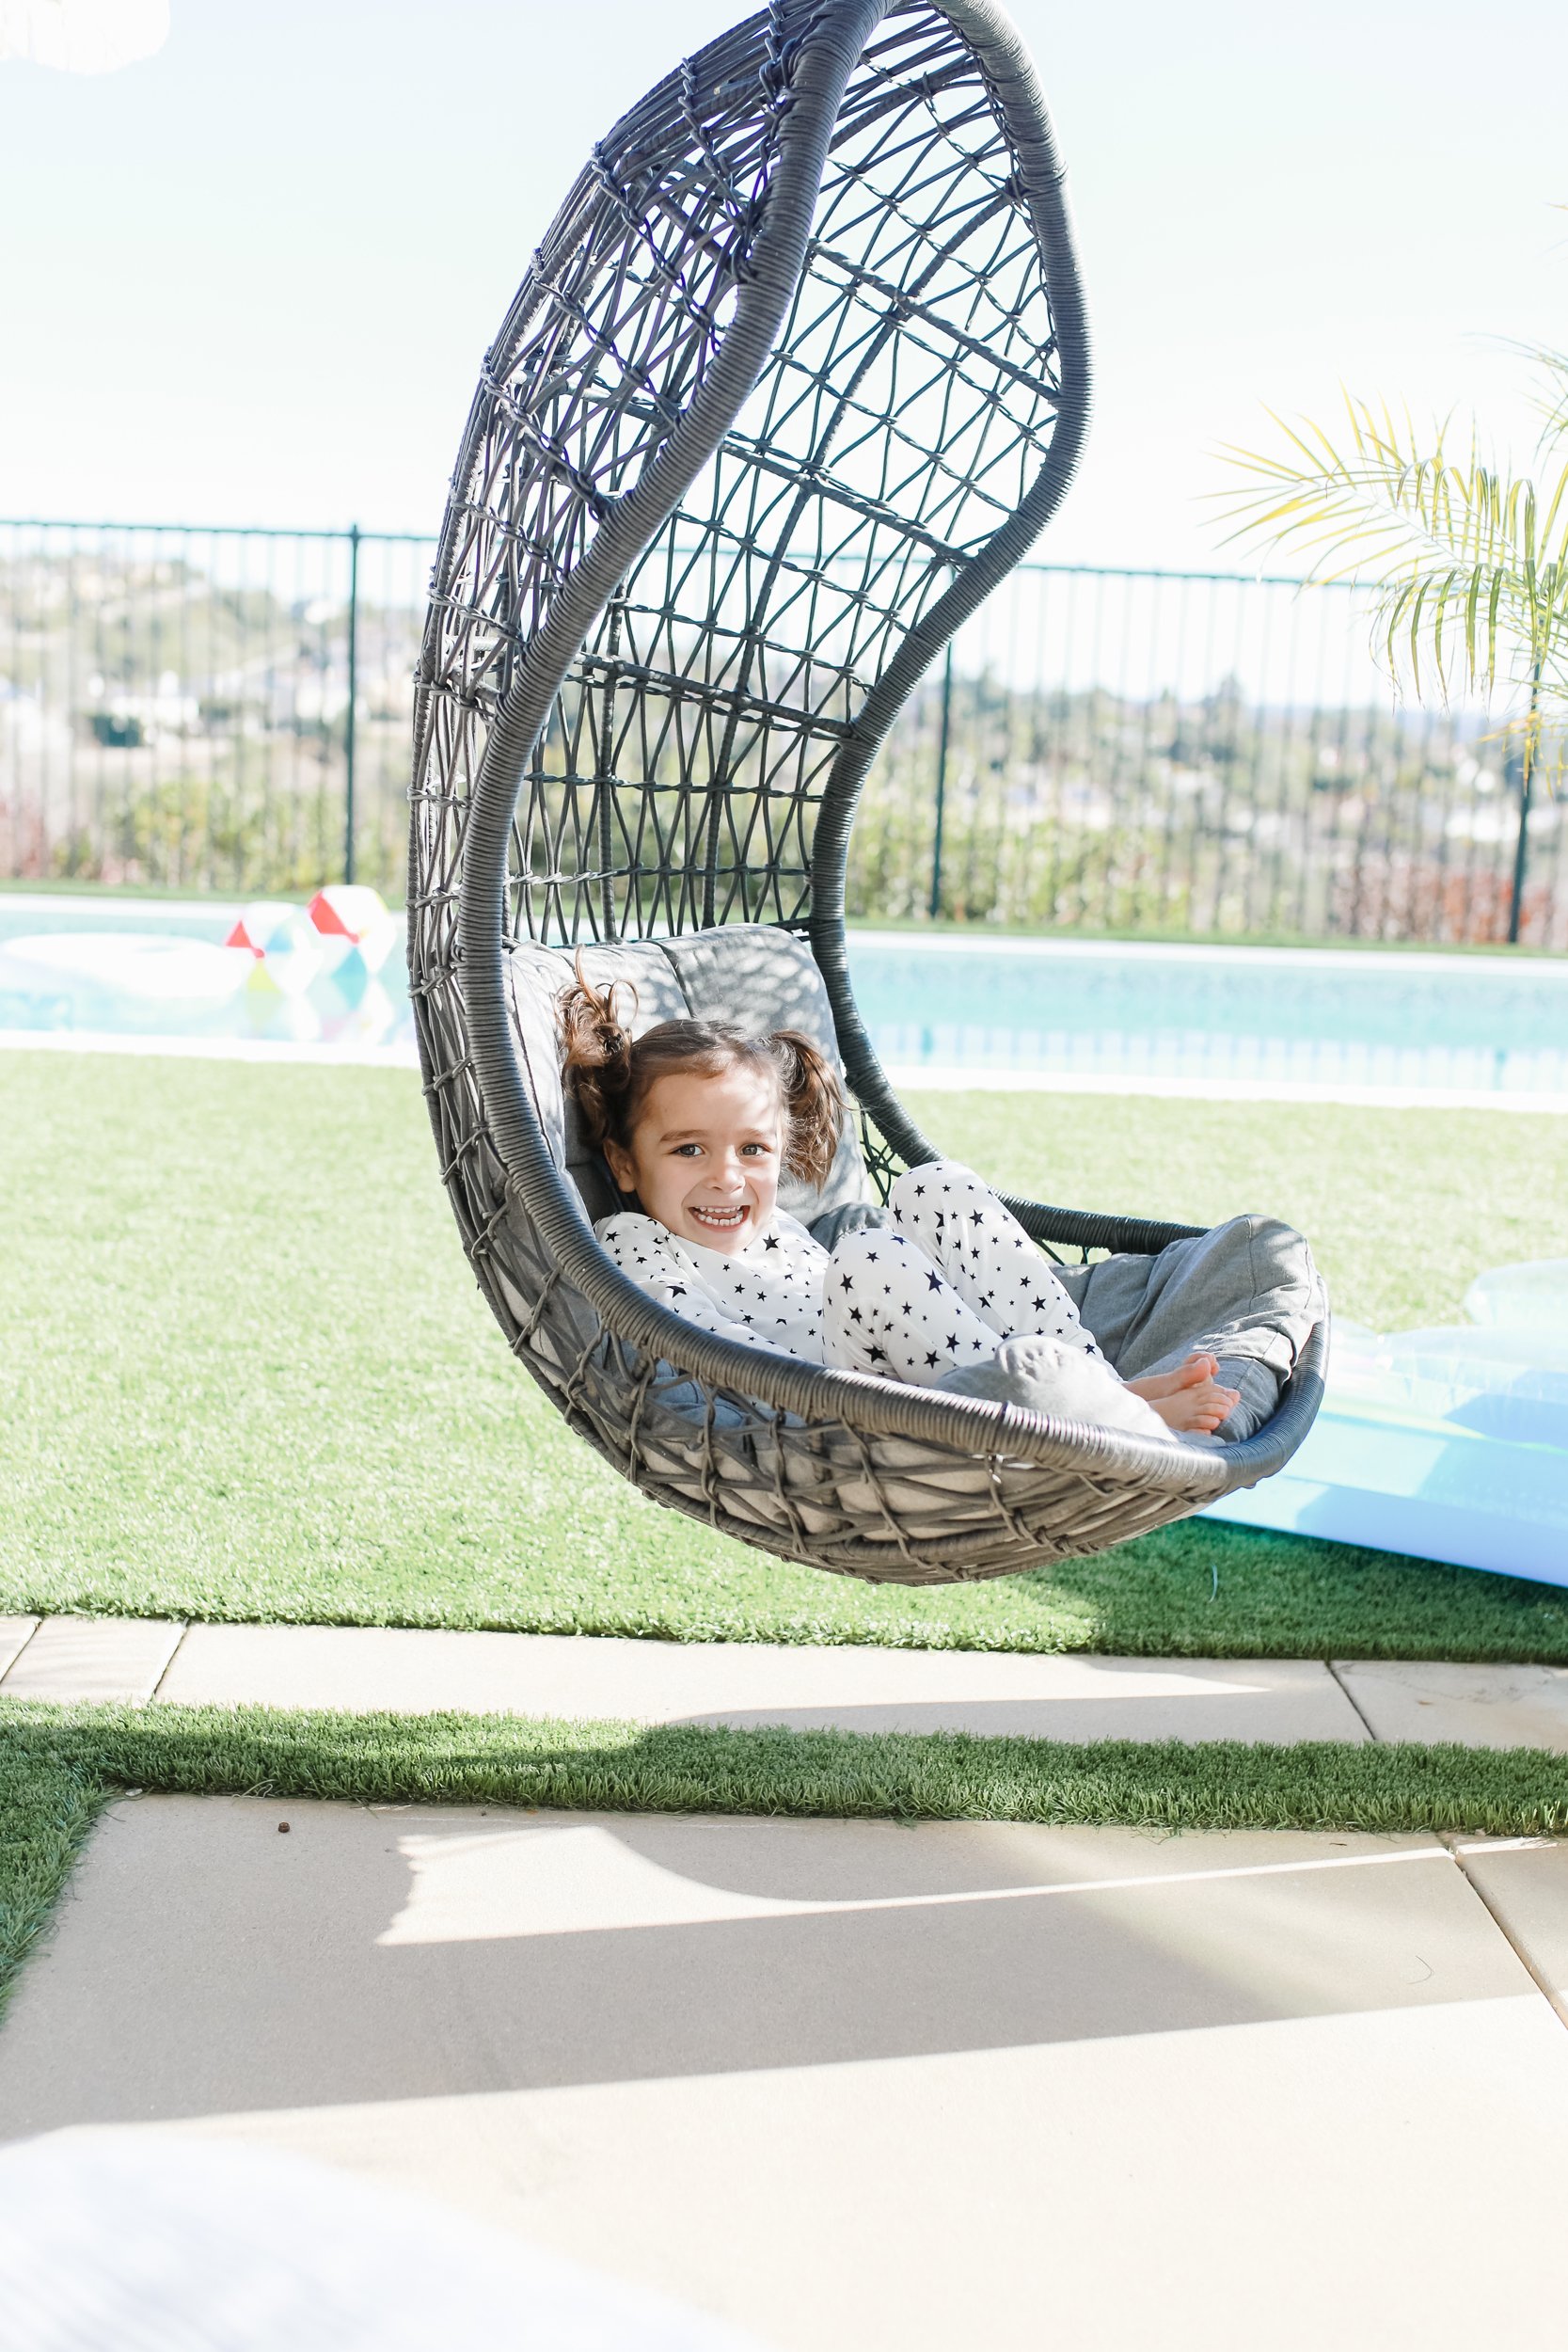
(206, 1964)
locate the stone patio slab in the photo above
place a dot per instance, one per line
(1477, 1705)
(1523, 1885)
(93, 1658)
(1075, 1697)
(15, 1634)
(850, 2084)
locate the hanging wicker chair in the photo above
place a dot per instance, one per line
(797, 377)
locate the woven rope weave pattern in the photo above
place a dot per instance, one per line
(799, 373)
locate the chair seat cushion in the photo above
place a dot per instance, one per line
(746, 974)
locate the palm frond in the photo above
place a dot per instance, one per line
(1466, 561)
(1550, 402)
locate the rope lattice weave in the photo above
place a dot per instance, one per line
(798, 374)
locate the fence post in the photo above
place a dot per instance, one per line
(1521, 847)
(942, 779)
(353, 698)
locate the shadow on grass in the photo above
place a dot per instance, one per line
(1206, 1589)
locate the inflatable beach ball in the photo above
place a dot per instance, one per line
(285, 944)
(271, 927)
(356, 919)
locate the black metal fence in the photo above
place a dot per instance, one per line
(1212, 753)
(1102, 751)
(220, 709)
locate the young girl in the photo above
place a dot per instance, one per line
(698, 1123)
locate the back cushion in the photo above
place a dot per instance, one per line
(747, 974)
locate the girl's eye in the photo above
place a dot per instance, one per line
(755, 1149)
(687, 1151)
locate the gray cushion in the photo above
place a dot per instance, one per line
(748, 974)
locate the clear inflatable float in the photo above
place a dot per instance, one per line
(1451, 1444)
(282, 974)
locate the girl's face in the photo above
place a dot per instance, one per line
(706, 1156)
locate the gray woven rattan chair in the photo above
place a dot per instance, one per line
(798, 375)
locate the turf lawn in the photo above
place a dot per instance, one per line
(245, 1374)
(58, 1765)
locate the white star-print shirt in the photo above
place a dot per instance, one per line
(948, 1278)
(768, 1293)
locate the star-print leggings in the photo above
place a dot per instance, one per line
(952, 1278)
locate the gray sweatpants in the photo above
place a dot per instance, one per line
(1247, 1293)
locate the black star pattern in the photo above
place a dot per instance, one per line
(962, 1246)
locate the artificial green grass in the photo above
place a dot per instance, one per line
(47, 1806)
(58, 1765)
(245, 1374)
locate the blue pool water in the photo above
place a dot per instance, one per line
(1031, 1012)
(1329, 1019)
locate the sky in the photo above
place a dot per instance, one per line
(249, 277)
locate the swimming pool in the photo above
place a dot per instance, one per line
(1327, 1024)
(1010, 1014)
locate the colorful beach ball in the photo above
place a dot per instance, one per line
(285, 944)
(351, 916)
(270, 926)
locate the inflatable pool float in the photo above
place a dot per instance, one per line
(147, 966)
(1450, 1443)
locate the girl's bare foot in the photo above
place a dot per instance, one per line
(1190, 1397)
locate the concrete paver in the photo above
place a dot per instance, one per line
(850, 2082)
(15, 1634)
(1524, 1883)
(101, 1659)
(1075, 1697)
(1478, 1705)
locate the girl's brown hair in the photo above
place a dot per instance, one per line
(609, 1073)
